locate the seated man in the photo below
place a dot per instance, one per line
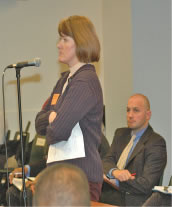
(136, 159)
(62, 185)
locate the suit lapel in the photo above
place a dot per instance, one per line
(125, 141)
(141, 143)
(125, 137)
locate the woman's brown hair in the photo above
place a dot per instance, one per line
(82, 30)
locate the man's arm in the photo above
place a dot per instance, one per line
(112, 175)
(17, 173)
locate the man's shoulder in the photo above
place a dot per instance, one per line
(122, 130)
(155, 135)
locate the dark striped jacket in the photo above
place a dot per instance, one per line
(82, 102)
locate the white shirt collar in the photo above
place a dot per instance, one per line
(74, 68)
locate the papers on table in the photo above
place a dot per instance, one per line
(18, 182)
(163, 189)
(70, 149)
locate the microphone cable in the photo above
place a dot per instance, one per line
(5, 141)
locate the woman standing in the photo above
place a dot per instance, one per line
(76, 103)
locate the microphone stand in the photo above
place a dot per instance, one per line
(21, 132)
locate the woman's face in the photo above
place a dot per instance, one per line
(67, 50)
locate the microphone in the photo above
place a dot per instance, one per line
(35, 62)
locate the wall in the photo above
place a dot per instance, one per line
(151, 26)
(118, 70)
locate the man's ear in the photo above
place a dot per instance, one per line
(149, 114)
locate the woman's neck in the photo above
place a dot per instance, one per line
(75, 67)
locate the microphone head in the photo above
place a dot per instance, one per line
(37, 62)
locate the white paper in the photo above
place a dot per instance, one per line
(70, 149)
(163, 189)
(18, 182)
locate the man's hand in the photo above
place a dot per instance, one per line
(17, 173)
(122, 175)
(31, 185)
(52, 116)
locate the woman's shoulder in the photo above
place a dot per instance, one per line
(86, 72)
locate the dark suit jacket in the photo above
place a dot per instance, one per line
(147, 160)
(104, 147)
(37, 167)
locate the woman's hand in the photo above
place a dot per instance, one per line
(52, 116)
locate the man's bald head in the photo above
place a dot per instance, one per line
(62, 185)
(145, 98)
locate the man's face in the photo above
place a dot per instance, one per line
(138, 114)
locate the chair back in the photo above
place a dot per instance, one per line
(39, 149)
